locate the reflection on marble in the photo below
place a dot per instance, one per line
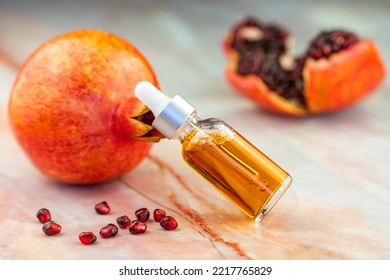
(338, 205)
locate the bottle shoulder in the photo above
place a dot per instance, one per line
(211, 124)
(211, 131)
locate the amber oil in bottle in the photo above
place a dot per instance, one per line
(237, 169)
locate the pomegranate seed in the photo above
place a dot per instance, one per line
(108, 231)
(158, 214)
(123, 221)
(137, 227)
(43, 215)
(51, 228)
(169, 223)
(102, 208)
(142, 214)
(87, 237)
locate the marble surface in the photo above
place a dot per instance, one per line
(337, 208)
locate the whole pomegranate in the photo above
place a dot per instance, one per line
(73, 110)
(336, 71)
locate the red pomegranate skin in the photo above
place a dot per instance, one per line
(72, 107)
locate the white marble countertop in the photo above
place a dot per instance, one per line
(337, 208)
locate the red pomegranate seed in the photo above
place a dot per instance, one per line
(142, 214)
(51, 228)
(137, 227)
(102, 208)
(169, 223)
(158, 214)
(123, 221)
(108, 231)
(43, 215)
(87, 237)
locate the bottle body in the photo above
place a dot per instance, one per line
(236, 168)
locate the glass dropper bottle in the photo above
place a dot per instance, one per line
(237, 169)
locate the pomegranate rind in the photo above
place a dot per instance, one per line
(343, 79)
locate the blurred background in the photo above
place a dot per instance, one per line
(182, 38)
(339, 204)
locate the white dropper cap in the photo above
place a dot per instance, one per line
(169, 113)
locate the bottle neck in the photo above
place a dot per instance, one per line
(186, 127)
(172, 116)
